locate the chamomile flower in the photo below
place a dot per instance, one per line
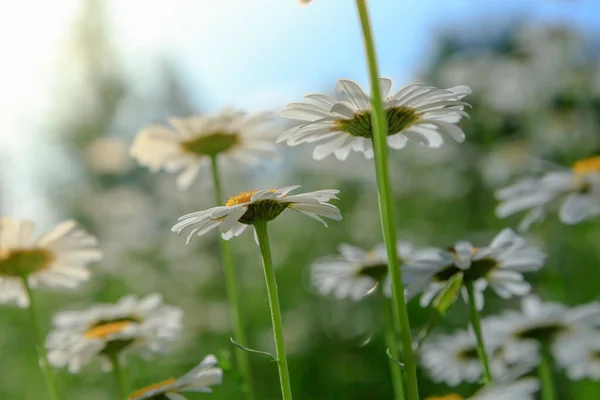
(249, 207)
(499, 265)
(58, 259)
(190, 143)
(199, 379)
(417, 112)
(524, 389)
(575, 191)
(580, 356)
(355, 272)
(145, 325)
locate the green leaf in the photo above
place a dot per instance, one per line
(448, 295)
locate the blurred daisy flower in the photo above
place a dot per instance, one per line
(190, 143)
(199, 379)
(580, 356)
(145, 325)
(524, 389)
(575, 191)
(415, 112)
(500, 265)
(246, 208)
(355, 273)
(58, 258)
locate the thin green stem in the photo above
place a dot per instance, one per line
(231, 283)
(265, 251)
(118, 375)
(545, 372)
(49, 377)
(386, 209)
(476, 323)
(390, 342)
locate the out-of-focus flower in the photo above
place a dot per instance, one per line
(576, 189)
(415, 112)
(57, 259)
(199, 380)
(499, 265)
(579, 355)
(355, 273)
(191, 143)
(246, 208)
(108, 156)
(524, 389)
(145, 325)
(304, 2)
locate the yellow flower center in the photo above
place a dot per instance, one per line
(587, 165)
(144, 390)
(23, 262)
(241, 198)
(104, 330)
(447, 397)
(212, 144)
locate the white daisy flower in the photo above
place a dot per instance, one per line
(355, 272)
(415, 112)
(524, 389)
(580, 356)
(59, 258)
(575, 191)
(199, 379)
(145, 325)
(500, 265)
(544, 324)
(246, 208)
(188, 146)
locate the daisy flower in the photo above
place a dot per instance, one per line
(575, 191)
(580, 356)
(544, 324)
(246, 208)
(58, 258)
(499, 265)
(189, 144)
(355, 272)
(524, 389)
(199, 379)
(343, 123)
(145, 325)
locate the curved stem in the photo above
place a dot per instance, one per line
(390, 342)
(545, 373)
(118, 375)
(265, 250)
(49, 377)
(231, 283)
(476, 323)
(386, 209)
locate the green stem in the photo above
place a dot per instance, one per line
(118, 374)
(386, 209)
(49, 377)
(265, 250)
(392, 345)
(476, 323)
(545, 372)
(231, 283)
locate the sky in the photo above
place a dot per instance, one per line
(253, 54)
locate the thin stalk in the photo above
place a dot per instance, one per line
(476, 323)
(232, 287)
(49, 377)
(118, 375)
(390, 342)
(265, 251)
(386, 208)
(545, 372)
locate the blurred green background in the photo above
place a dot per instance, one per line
(535, 72)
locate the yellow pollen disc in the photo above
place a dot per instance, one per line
(587, 165)
(447, 397)
(102, 331)
(144, 390)
(243, 197)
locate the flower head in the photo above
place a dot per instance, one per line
(499, 265)
(199, 379)
(580, 356)
(190, 143)
(575, 191)
(57, 259)
(523, 389)
(249, 207)
(355, 272)
(415, 112)
(145, 325)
